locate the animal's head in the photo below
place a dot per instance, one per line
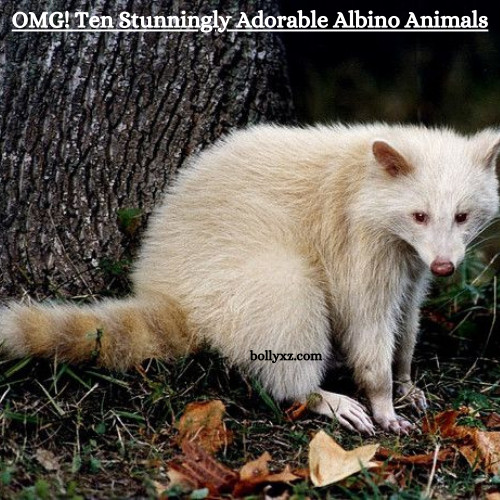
(439, 190)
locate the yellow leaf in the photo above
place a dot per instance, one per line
(256, 468)
(256, 473)
(330, 463)
(202, 422)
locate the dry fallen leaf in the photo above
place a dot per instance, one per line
(444, 424)
(296, 411)
(330, 463)
(47, 459)
(425, 459)
(255, 473)
(197, 468)
(202, 423)
(493, 421)
(255, 468)
(481, 449)
(488, 447)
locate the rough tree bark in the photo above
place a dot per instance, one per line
(94, 122)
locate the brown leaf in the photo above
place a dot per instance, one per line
(202, 423)
(196, 468)
(481, 449)
(493, 421)
(302, 473)
(256, 473)
(444, 424)
(285, 476)
(488, 446)
(296, 411)
(255, 468)
(330, 463)
(425, 459)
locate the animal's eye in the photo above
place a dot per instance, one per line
(420, 217)
(460, 218)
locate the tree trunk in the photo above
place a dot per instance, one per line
(91, 123)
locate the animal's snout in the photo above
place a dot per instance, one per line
(442, 267)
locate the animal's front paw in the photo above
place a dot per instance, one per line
(349, 413)
(394, 423)
(352, 414)
(410, 392)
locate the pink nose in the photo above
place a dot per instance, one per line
(441, 267)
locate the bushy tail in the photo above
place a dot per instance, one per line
(114, 333)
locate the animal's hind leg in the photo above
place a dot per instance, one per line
(271, 317)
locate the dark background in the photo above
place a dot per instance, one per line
(433, 78)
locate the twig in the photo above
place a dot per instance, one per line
(433, 472)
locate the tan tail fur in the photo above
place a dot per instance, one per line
(116, 334)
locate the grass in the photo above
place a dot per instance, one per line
(83, 432)
(79, 432)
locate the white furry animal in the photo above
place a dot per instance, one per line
(292, 240)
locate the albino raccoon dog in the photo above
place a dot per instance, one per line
(283, 242)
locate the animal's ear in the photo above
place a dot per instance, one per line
(493, 154)
(391, 160)
(488, 147)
